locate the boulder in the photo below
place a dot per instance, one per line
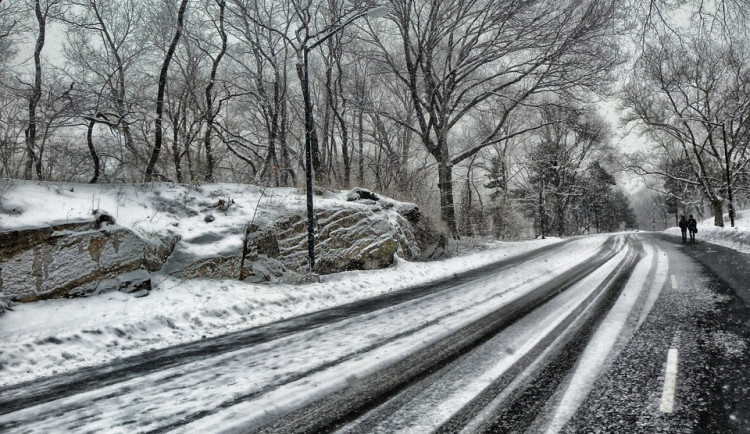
(65, 260)
(350, 240)
(159, 248)
(258, 242)
(225, 263)
(228, 266)
(102, 218)
(358, 193)
(432, 241)
(364, 236)
(129, 283)
(5, 305)
(98, 256)
(410, 212)
(265, 269)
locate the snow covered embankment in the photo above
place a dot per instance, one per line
(737, 237)
(214, 231)
(56, 336)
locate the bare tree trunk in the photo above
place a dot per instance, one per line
(314, 147)
(176, 152)
(287, 170)
(210, 115)
(360, 138)
(340, 116)
(541, 208)
(36, 92)
(160, 92)
(560, 214)
(325, 141)
(447, 207)
(92, 150)
(718, 209)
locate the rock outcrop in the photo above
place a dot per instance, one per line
(97, 256)
(362, 236)
(66, 259)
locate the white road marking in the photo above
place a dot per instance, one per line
(670, 382)
(674, 282)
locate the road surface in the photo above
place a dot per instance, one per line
(626, 333)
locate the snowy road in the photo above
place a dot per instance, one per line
(533, 335)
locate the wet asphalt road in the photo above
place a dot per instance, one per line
(706, 316)
(703, 312)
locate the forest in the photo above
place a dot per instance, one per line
(486, 113)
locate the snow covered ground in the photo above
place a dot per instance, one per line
(56, 336)
(737, 237)
(276, 376)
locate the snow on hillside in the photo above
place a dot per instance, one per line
(737, 237)
(157, 208)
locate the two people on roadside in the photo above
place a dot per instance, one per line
(688, 225)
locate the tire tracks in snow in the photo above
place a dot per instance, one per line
(39, 391)
(345, 405)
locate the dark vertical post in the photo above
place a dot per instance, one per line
(541, 205)
(374, 13)
(308, 162)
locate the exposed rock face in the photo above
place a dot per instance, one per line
(65, 259)
(97, 256)
(364, 236)
(410, 212)
(226, 263)
(432, 241)
(159, 248)
(227, 266)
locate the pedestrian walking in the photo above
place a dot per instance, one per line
(692, 227)
(683, 228)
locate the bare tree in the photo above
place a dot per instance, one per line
(158, 133)
(43, 11)
(458, 57)
(691, 92)
(210, 111)
(9, 23)
(267, 71)
(103, 47)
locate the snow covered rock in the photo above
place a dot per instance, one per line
(358, 193)
(431, 240)
(129, 283)
(257, 234)
(410, 212)
(67, 259)
(362, 236)
(265, 269)
(102, 218)
(160, 247)
(209, 255)
(5, 305)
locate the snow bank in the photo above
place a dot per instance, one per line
(156, 208)
(737, 237)
(56, 336)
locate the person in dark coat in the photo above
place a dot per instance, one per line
(692, 227)
(683, 228)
